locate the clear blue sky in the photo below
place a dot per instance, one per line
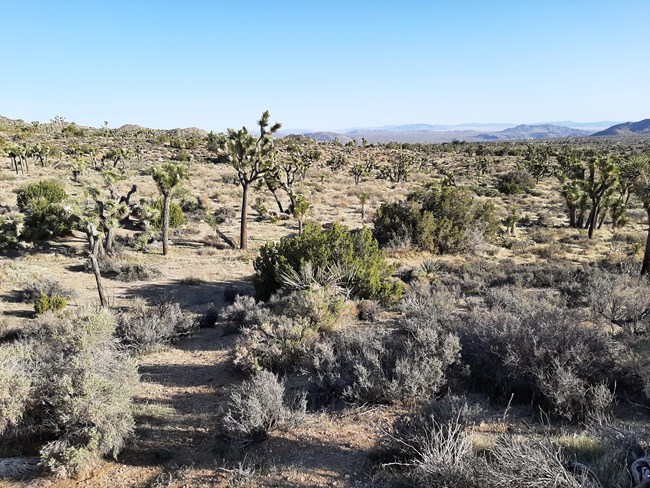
(324, 64)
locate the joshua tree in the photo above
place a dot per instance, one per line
(253, 159)
(284, 174)
(300, 210)
(167, 177)
(363, 199)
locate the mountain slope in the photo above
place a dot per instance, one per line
(640, 127)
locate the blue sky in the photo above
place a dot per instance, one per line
(324, 64)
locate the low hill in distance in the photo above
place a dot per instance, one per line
(627, 128)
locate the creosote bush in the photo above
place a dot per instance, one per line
(352, 256)
(71, 391)
(440, 219)
(42, 203)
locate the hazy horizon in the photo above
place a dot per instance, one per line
(324, 66)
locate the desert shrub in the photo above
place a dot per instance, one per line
(516, 182)
(322, 307)
(279, 344)
(533, 347)
(525, 463)
(45, 303)
(42, 203)
(16, 385)
(375, 366)
(48, 287)
(369, 310)
(245, 312)
(437, 219)
(176, 215)
(354, 254)
(258, 406)
(279, 335)
(224, 215)
(620, 298)
(9, 225)
(77, 406)
(433, 302)
(145, 328)
(124, 271)
(432, 446)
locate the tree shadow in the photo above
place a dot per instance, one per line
(191, 295)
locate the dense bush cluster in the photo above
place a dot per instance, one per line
(516, 182)
(440, 219)
(67, 390)
(351, 258)
(46, 217)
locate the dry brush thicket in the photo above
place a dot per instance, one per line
(490, 300)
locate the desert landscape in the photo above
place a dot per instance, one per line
(324, 244)
(400, 313)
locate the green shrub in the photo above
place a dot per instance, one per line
(45, 215)
(516, 182)
(436, 219)
(353, 257)
(45, 303)
(176, 215)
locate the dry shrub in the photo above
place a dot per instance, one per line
(524, 463)
(72, 391)
(620, 298)
(47, 287)
(280, 344)
(536, 349)
(370, 365)
(245, 312)
(369, 310)
(279, 335)
(146, 328)
(432, 447)
(258, 406)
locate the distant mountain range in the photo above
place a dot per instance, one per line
(416, 133)
(435, 133)
(641, 127)
(476, 132)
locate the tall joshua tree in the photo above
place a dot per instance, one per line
(252, 157)
(167, 177)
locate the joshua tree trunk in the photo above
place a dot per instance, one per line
(165, 223)
(299, 227)
(645, 267)
(243, 234)
(110, 238)
(94, 240)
